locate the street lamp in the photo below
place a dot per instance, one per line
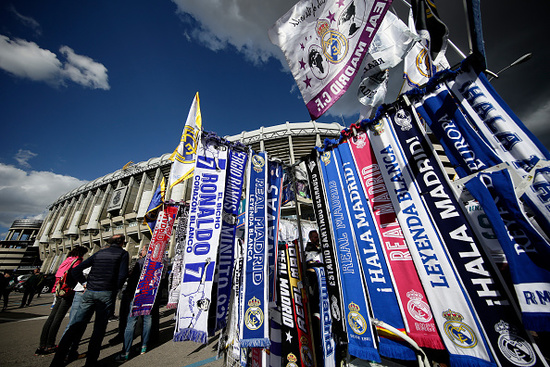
(522, 59)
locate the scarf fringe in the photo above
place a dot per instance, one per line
(425, 341)
(364, 352)
(464, 361)
(536, 321)
(391, 349)
(255, 343)
(141, 312)
(171, 306)
(191, 334)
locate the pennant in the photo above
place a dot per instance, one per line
(375, 270)
(418, 316)
(453, 315)
(151, 215)
(296, 344)
(231, 201)
(325, 44)
(177, 262)
(201, 248)
(151, 273)
(254, 331)
(327, 342)
(496, 194)
(361, 339)
(485, 290)
(332, 276)
(185, 154)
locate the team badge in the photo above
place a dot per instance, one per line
(291, 360)
(458, 332)
(325, 157)
(355, 320)
(418, 309)
(189, 140)
(333, 43)
(403, 119)
(258, 163)
(513, 347)
(305, 352)
(377, 127)
(254, 317)
(360, 140)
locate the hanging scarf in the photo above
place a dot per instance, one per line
(177, 262)
(378, 279)
(151, 273)
(417, 314)
(332, 276)
(295, 329)
(452, 313)
(327, 342)
(274, 196)
(201, 250)
(254, 328)
(360, 334)
(496, 194)
(483, 286)
(231, 201)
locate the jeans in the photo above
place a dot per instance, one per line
(100, 302)
(77, 300)
(129, 332)
(52, 324)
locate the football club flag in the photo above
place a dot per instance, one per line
(325, 44)
(150, 218)
(185, 154)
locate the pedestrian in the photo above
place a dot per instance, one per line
(30, 287)
(109, 268)
(61, 306)
(8, 283)
(132, 284)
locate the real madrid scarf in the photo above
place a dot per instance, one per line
(203, 238)
(296, 344)
(452, 312)
(417, 314)
(327, 342)
(231, 201)
(151, 273)
(360, 334)
(496, 194)
(483, 286)
(274, 197)
(254, 326)
(177, 263)
(332, 276)
(379, 284)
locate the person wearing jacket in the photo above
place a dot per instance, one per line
(109, 269)
(61, 306)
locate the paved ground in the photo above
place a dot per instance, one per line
(20, 332)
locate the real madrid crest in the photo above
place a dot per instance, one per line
(305, 352)
(291, 360)
(355, 320)
(514, 347)
(403, 119)
(333, 43)
(258, 163)
(254, 317)
(457, 331)
(325, 158)
(418, 309)
(360, 140)
(377, 127)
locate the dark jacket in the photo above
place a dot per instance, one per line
(109, 269)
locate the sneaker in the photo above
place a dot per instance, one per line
(121, 358)
(39, 351)
(143, 350)
(49, 350)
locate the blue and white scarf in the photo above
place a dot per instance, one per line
(453, 314)
(531, 281)
(375, 269)
(484, 289)
(232, 198)
(254, 318)
(201, 248)
(327, 342)
(361, 339)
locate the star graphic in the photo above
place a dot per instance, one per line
(331, 17)
(307, 81)
(302, 46)
(302, 64)
(340, 3)
(288, 337)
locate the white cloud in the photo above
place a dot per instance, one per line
(538, 120)
(27, 60)
(27, 21)
(22, 157)
(25, 195)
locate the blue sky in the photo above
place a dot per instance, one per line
(87, 86)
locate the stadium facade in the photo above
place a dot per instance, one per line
(116, 203)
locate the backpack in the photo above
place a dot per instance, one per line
(64, 287)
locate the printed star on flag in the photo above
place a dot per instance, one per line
(302, 64)
(288, 337)
(307, 81)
